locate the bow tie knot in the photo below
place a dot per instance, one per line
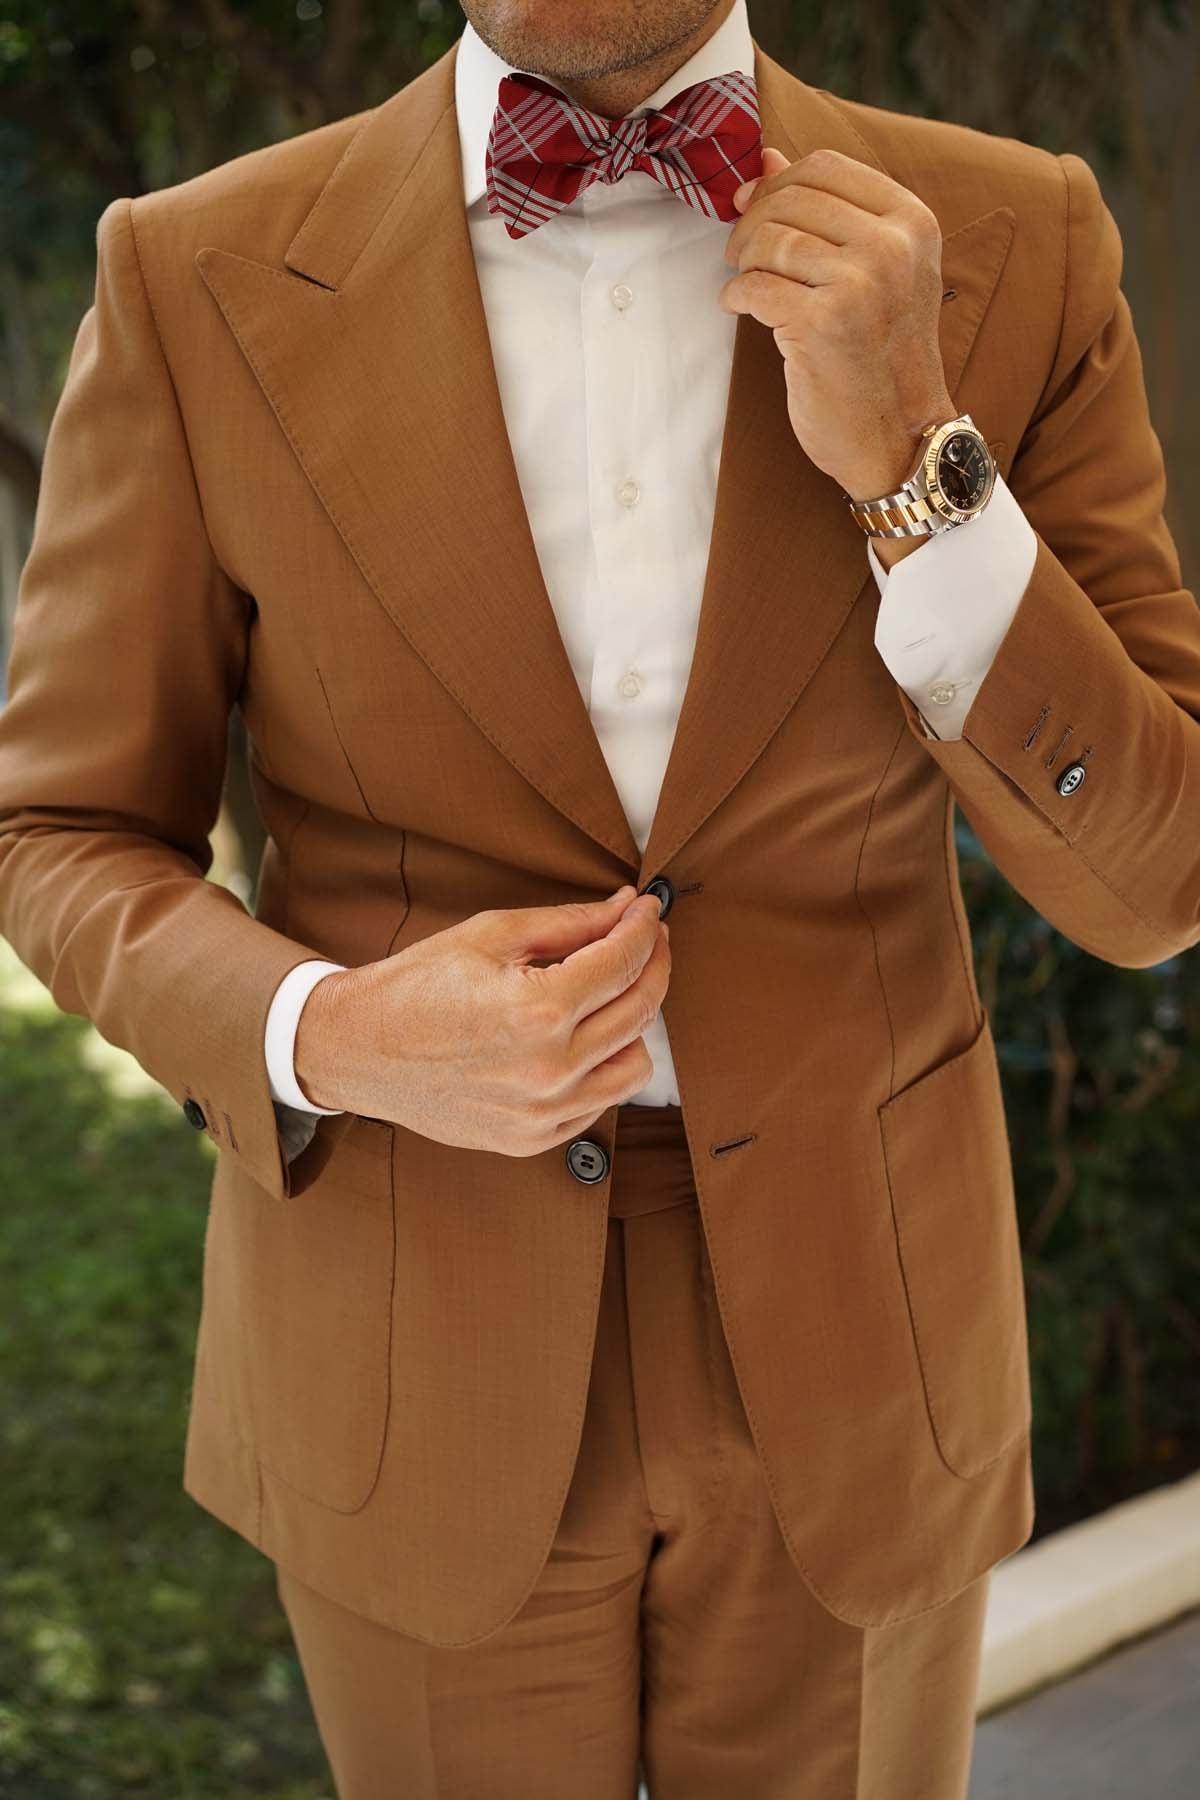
(623, 146)
(544, 149)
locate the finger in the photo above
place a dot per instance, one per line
(522, 933)
(771, 299)
(609, 1083)
(822, 215)
(626, 1017)
(600, 971)
(780, 250)
(843, 175)
(773, 161)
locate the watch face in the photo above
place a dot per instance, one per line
(963, 470)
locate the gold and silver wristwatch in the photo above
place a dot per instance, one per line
(951, 485)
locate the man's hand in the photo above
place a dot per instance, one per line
(845, 266)
(511, 1031)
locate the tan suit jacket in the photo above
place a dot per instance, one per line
(279, 478)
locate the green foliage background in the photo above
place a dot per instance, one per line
(142, 1649)
(142, 1646)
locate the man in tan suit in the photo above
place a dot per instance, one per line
(606, 1403)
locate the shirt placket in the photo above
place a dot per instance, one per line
(628, 408)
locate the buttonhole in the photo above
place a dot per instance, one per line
(1037, 726)
(733, 1144)
(1062, 740)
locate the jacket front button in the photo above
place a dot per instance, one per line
(587, 1160)
(193, 1112)
(1071, 778)
(663, 888)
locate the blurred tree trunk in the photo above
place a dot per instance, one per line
(1159, 175)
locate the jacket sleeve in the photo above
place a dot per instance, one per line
(1079, 762)
(128, 652)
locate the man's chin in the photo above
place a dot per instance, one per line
(565, 40)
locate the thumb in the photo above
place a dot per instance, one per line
(773, 163)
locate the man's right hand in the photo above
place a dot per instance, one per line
(511, 1031)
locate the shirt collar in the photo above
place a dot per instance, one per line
(477, 72)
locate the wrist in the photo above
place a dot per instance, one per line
(893, 459)
(890, 550)
(315, 1057)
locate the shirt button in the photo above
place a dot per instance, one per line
(621, 296)
(629, 493)
(942, 692)
(631, 684)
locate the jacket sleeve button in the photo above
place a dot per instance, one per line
(193, 1112)
(1071, 778)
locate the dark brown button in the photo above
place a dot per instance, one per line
(587, 1160)
(193, 1112)
(663, 888)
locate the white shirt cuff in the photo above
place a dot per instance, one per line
(944, 610)
(283, 1016)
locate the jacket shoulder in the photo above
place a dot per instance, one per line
(959, 170)
(252, 204)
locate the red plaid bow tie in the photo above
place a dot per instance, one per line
(544, 149)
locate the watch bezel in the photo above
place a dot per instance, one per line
(927, 470)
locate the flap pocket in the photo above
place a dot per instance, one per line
(949, 1167)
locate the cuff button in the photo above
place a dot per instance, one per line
(193, 1112)
(1071, 778)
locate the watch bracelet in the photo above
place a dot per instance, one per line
(894, 515)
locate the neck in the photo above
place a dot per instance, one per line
(612, 96)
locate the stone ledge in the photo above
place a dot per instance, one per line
(1067, 1599)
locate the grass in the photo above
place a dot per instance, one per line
(143, 1649)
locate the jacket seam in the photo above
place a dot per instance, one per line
(170, 374)
(1066, 259)
(832, 100)
(1050, 385)
(354, 776)
(947, 860)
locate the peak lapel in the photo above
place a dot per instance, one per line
(786, 562)
(373, 351)
(374, 354)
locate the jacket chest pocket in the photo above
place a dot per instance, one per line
(949, 1168)
(316, 1273)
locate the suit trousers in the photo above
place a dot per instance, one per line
(669, 1637)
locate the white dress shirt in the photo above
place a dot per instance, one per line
(613, 363)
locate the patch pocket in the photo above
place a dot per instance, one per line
(318, 1309)
(949, 1170)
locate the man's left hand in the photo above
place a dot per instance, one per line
(844, 265)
